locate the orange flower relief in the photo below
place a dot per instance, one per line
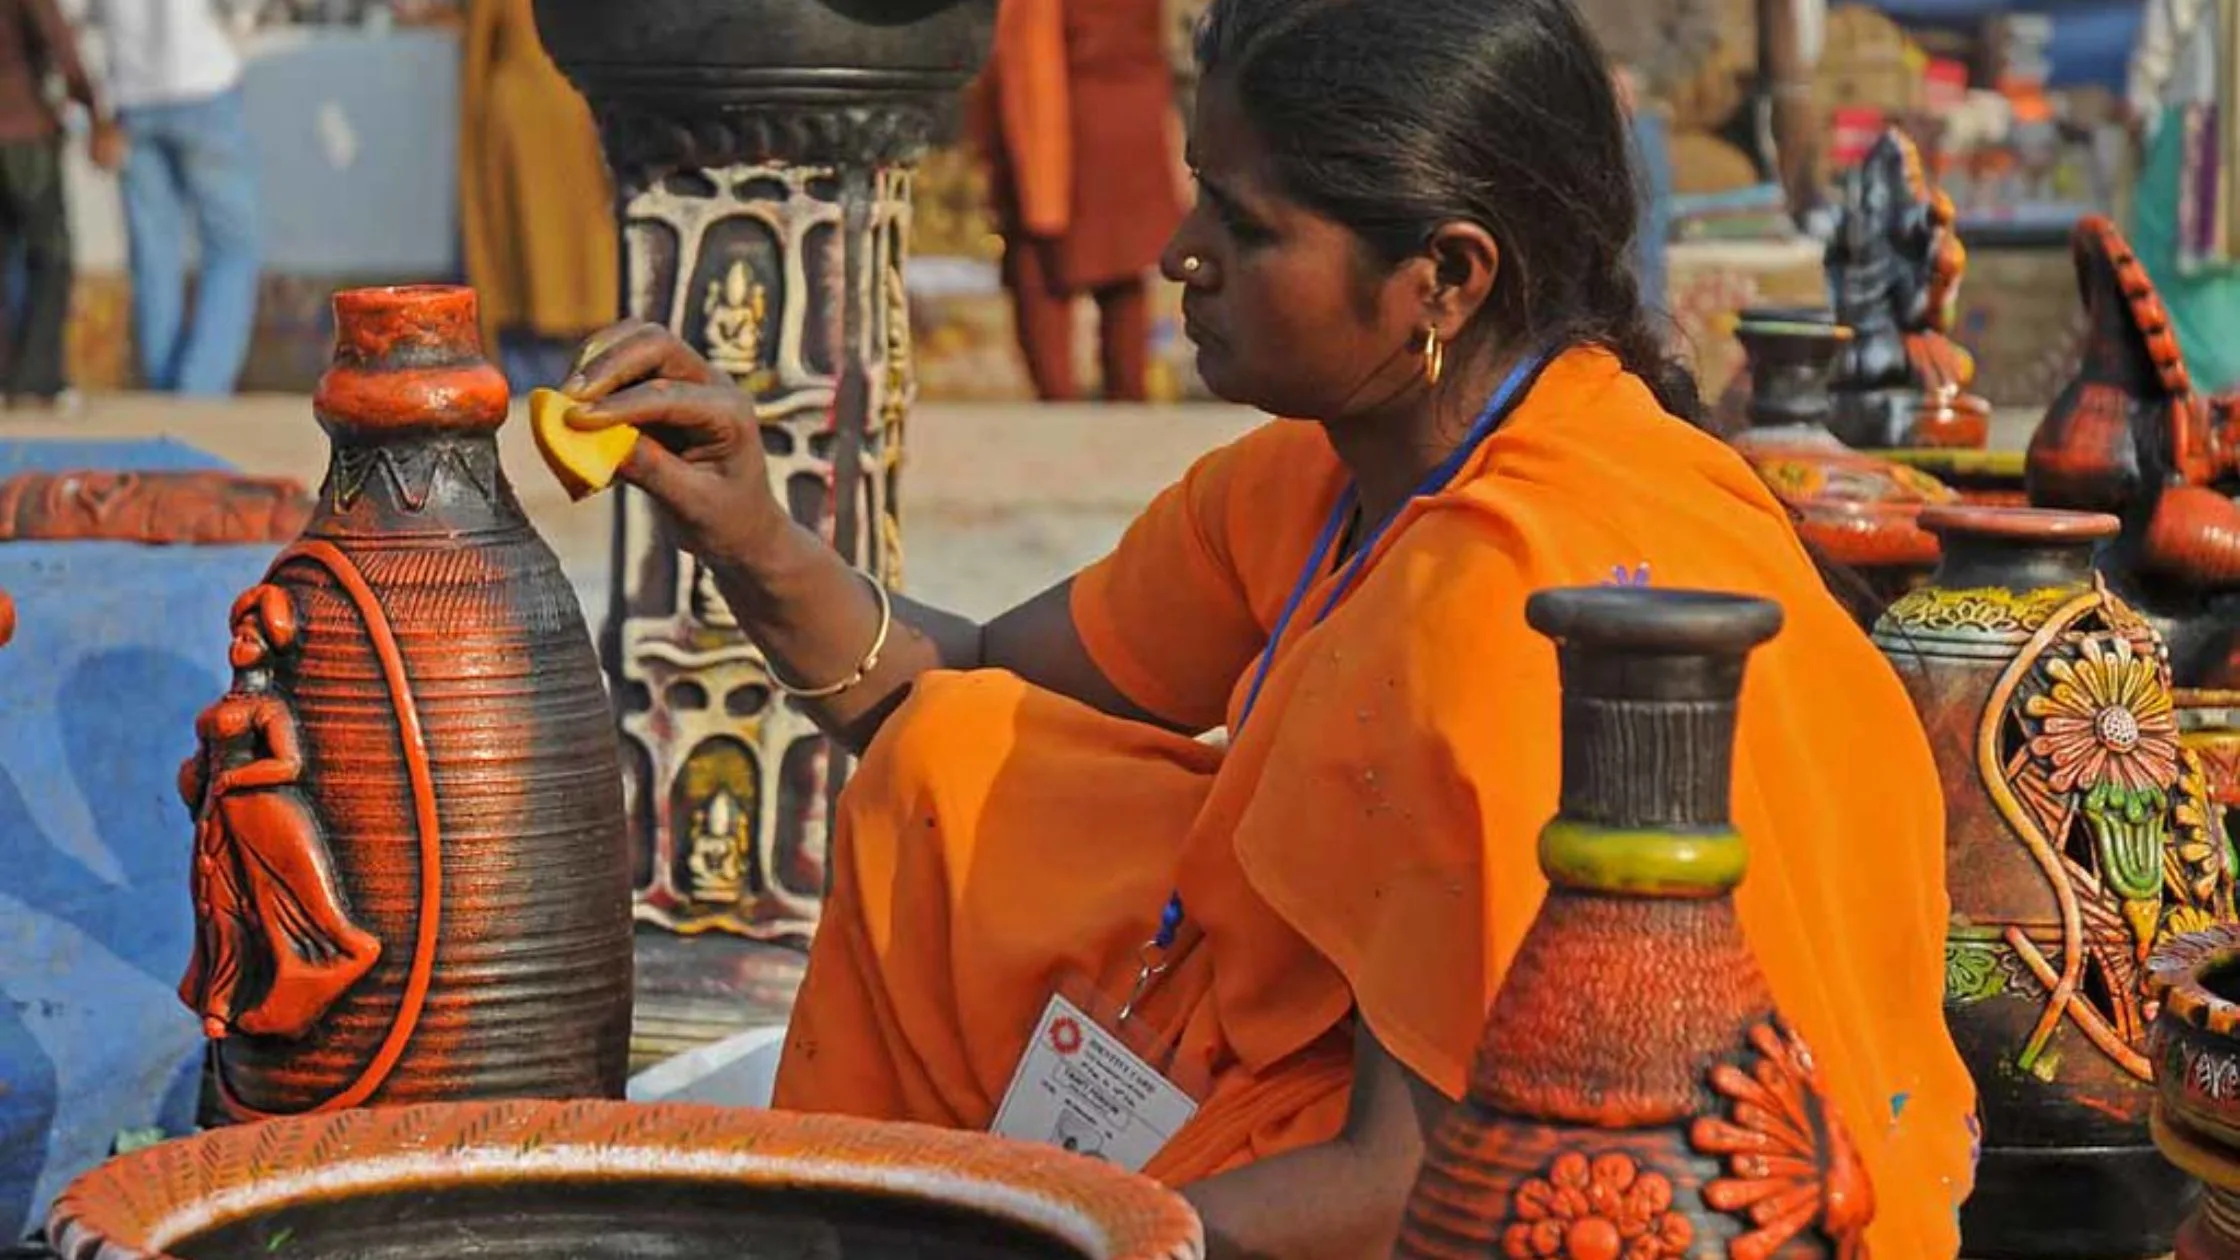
(1781, 1179)
(1607, 1209)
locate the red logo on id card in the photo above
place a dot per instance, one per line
(1065, 1035)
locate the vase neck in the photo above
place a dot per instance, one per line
(1646, 764)
(1650, 684)
(1974, 562)
(1791, 360)
(403, 484)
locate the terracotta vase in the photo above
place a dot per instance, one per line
(2076, 840)
(1857, 510)
(411, 873)
(611, 1181)
(2196, 981)
(1636, 1094)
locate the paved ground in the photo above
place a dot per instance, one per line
(998, 499)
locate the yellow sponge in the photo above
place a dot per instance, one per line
(584, 461)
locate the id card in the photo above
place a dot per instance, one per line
(1080, 1087)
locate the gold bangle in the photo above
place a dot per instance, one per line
(870, 658)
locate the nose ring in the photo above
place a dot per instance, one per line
(1191, 264)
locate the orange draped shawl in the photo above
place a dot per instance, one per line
(1367, 845)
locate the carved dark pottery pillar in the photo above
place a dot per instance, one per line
(410, 867)
(2078, 838)
(1894, 269)
(762, 152)
(2130, 435)
(1856, 509)
(1619, 1103)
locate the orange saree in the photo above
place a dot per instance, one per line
(1366, 845)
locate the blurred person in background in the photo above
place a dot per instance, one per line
(536, 214)
(2185, 213)
(175, 82)
(1649, 48)
(36, 44)
(1075, 118)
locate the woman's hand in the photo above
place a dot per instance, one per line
(703, 462)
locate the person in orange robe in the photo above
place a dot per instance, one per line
(1429, 270)
(1073, 116)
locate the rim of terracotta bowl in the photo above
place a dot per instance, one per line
(2043, 524)
(135, 1206)
(2174, 977)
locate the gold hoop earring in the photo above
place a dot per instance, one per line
(1434, 356)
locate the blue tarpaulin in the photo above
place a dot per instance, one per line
(118, 646)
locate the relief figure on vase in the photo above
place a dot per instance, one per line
(267, 907)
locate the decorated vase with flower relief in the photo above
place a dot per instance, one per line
(2080, 835)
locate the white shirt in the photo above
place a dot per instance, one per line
(2174, 63)
(166, 52)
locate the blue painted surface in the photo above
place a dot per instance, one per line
(118, 646)
(2091, 38)
(152, 455)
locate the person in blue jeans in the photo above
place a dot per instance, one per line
(187, 167)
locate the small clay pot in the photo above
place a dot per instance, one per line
(2196, 1048)
(1857, 510)
(595, 1180)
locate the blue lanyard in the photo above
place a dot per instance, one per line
(1496, 408)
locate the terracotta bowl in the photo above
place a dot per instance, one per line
(2196, 1040)
(2195, 1049)
(592, 1180)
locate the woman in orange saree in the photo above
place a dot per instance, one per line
(1412, 236)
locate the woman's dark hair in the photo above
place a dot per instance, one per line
(1395, 116)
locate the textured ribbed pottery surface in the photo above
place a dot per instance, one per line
(459, 760)
(601, 1179)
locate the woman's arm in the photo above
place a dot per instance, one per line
(1337, 1200)
(811, 612)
